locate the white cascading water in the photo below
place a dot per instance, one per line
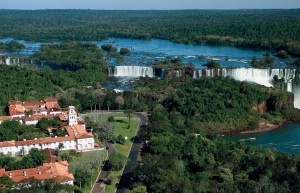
(200, 73)
(131, 71)
(178, 73)
(296, 91)
(263, 76)
(224, 72)
(195, 74)
(207, 73)
(259, 76)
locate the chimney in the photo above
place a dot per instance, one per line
(25, 173)
(24, 139)
(55, 136)
(35, 138)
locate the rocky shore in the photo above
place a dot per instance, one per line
(262, 127)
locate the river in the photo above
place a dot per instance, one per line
(284, 139)
(146, 52)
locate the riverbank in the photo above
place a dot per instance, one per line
(263, 127)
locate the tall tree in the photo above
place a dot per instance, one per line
(128, 113)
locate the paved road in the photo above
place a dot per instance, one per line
(99, 185)
(133, 156)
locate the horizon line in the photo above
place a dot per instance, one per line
(45, 9)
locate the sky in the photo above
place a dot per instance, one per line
(149, 4)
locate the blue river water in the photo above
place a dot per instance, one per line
(147, 52)
(284, 139)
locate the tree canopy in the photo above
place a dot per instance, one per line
(265, 62)
(11, 46)
(212, 64)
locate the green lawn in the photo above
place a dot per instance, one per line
(116, 115)
(121, 129)
(121, 124)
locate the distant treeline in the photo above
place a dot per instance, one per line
(267, 29)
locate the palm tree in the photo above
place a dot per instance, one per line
(128, 112)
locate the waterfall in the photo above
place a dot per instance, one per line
(162, 74)
(207, 73)
(218, 72)
(195, 74)
(296, 91)
(224, 72)
(7, 61)
(262, 76)
(178, 73)
(259, 76)
(131, 71)
(212, 72)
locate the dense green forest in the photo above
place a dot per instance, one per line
(81, 88)
(218, 104)
(177, 160)
(183, 156)
(267, 29)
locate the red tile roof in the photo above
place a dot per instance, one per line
(38, 117)
(4, 118)
(15, 103)
(7, 143)
(52, 105)
(78, 131)
(58, 170)
(33, 104)
(16, 110)
(19, 108)
(50, 100)
(45, 140)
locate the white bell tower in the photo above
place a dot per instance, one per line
(72, 116)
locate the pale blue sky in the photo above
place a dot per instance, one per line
(148, 4)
